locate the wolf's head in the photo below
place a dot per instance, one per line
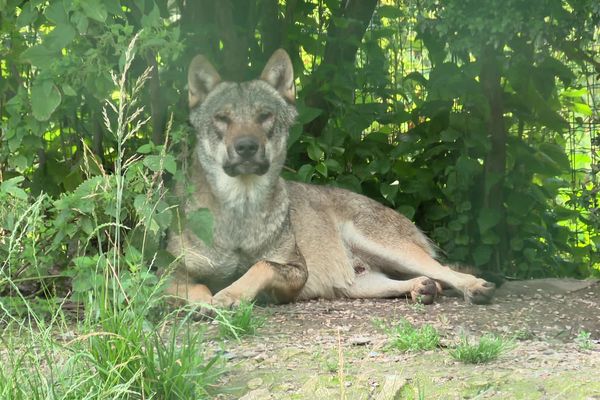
(242, 128)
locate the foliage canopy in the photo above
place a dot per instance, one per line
(465, 116)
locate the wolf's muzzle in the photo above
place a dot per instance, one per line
(246, 146)
(246, 157)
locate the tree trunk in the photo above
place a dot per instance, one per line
(495, 161)
(342, 45)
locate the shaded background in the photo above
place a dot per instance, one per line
(477, 119)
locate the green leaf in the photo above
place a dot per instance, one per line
(163, 215)
(407, 211)
(60, 37)
(200, 222)
(307, 114)
(450, 135)
(436, 213)
(482, 255)
(349, 182)
(389, 192)
(39, 56)
(81, 21)
(519, 204)
(575, 93)
(516, 244)
(94, 9)
(56, 13)
(389, 11)
(27, 16)
(18, 161)
(68, 90)
(554, 159)
(490, 237)
(113, 7)
(305, 173)
(417, 77)
(11, 187)
(455, 226)
(464, 206)
(151, 19)
(333, 165)
(153, 162)
(442, 234)
(530, 254)
(321, 168)
(488, 219)
(72, 180)
(45, 98)
(558, 69)
(583, 109)
(466, 167)
(314, 152)
(145, 148)
(294, 134)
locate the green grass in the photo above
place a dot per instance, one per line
(238, 322)
(486, 349)
(120, 346)
(405, 337)
(328, 360)
(584, 341)
(414, 391)
(123, 356)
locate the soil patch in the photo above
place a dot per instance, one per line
(332, 349)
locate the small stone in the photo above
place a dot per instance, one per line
(360, 340)
(254, 383)
(392, 387)
(259, 394)
(249, 354)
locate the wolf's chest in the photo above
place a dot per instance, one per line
(248, 232)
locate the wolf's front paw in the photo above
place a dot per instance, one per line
(226, 299)
(479, 292)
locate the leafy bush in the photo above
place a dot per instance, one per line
(390, 105)
(118, 350)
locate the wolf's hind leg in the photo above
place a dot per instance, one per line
(398, 254)
(375, 284)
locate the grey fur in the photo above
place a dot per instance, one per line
(287, 239)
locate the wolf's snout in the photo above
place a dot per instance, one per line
(246, 156)
(246, 146)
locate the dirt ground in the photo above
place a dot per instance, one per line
(333, 350)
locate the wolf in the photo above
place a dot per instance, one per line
(281, 239)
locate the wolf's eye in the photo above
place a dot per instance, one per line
(222, 119)
(264, 117)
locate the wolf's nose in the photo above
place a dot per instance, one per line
(246, 146)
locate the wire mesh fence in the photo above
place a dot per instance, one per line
(407, 55)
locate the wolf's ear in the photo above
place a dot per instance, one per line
(202, 78)
(279, 73)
